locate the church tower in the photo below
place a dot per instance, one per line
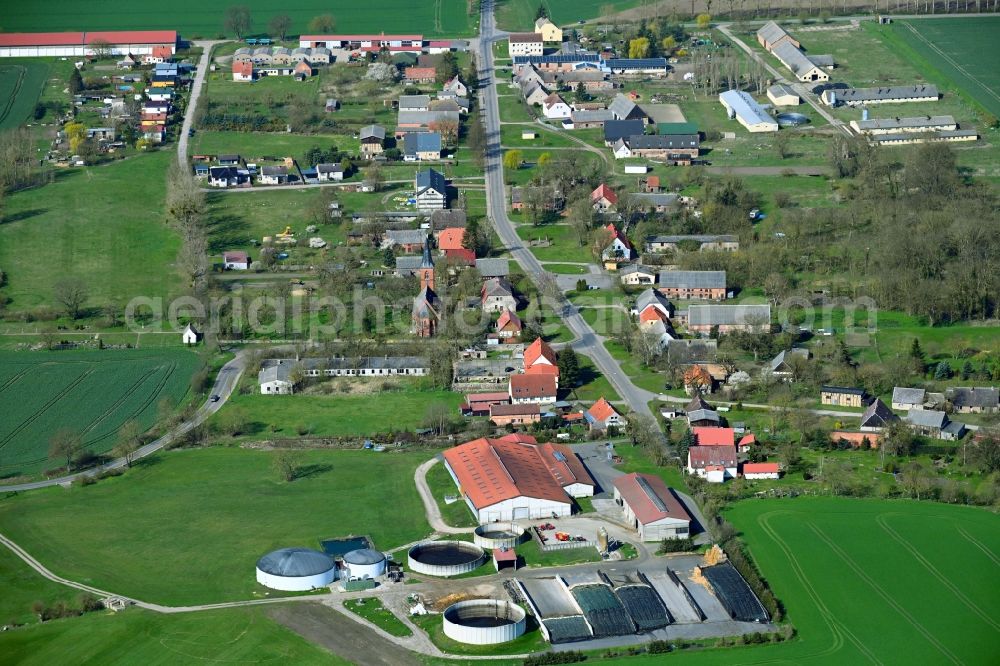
(427, 267)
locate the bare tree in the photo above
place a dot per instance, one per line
(129, 438)
(322, 24)
(238, 20)
(279, 25)
(66, 444)
(71, 294)
(101, 49)
(375, 176)
(285, 464)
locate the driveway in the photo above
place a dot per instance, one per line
(196, 86)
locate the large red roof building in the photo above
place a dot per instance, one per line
(80, 44)
(651, 507)
(512, 478)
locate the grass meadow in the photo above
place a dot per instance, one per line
(520, 14)
(92, 393)
(103, 226)
(187, 527)
(194, 19)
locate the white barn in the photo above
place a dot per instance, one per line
(81, 44)
(651, 507)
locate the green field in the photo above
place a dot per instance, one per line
(337, 415)
(103, 226)
(200, 19)
(215, 512)
(235, 635)
(20, 86)
(371, 609)
(456, 514)
(92, 393)
(22, 587)
(960, 50)
(520, 14)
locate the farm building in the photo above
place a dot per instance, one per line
(782, 94)
(705, 243)
(295, 570)
(905, 399)
(877, 416)
(802, 66)
(974, 400)
(79, 44)
(842, 396)
(511, 479)
(745, 109)
(941, 136)
(771, 34)
(536, 388)
(692, 284)
(881, 95)
(904, 125)
(523, 414)
(275, 380)
(366, 43)
(715, 464)
(727, 318)
(761, 470)
(651, 507)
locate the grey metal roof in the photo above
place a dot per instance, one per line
(636, 63)
(915, 122)
(652, 297)
(793, 58)
(364, 556)
(693, 279)
(421, 142)
(414, 101)
(703, 415)
(636, 268)
(954, 428)
(624, 108)
(977, 396)
(591, 116)
(295, 562)
(746, 107)
(927, 418)
(408, 262)
(274, 373)
(887, 93)
(406, 236)
(844, 390)
(373, 132)
(908, 396)
(771, 32)
(728, 315)
(493, 267)
(877, 414)
(700, 238)
(780, 89)
(426, 117)
(619, 129)
(360, 363)
(274, 171)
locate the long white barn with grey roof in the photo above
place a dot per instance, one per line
(275, 375)
(882, 95)
(745, 109)
(899, 125)
(802, 66)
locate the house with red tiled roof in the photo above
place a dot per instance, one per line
(478, 404)
(509, 327)
(242, 70)
(715, 464)
(532, 388)
(450, 244)
(697, 380)
(652, 508)
(420, 74)
(763, 470)
(511, 478)
(618, 249)
(522, 414)
(603, 415)
(746, 443)
(714, 436)
(540, 359)
(603, 198)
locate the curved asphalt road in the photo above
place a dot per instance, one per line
(586, 340)
(225, 384)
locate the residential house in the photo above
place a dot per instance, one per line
(427, 121)
(652, 306)
(549, 31)
(698, 381)
(421, 146)
(554, 108)
(710, 285)
(519, 414)
(372, 140)
(302, 70)
(635, 274)
(414, 103)
(525, 44)
(456, 86)
(715, 464)
(235, 260)
(550, 198)
(602, 415)
(933, 423)
(787, 363)
(190, 335)
(974, 400)
(842, 396)
(532, 388)
(275, 380)
(451, 244)
(328, 172)
(622, 108)
(905, 399)
(876, 417)
(747, 441)
(227, 176)
(700, 414)
(651, 508)
(714, 436)
(619, 248)
(478, 404)
(509, 327)
(619, 130)
(603, 198)
(540, 359)
(703, 242)
(274, 175)
(430, 190)
(497, 295)
(703, 319)
(764, 470)
(420, 74)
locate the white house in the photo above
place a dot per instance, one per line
(190, 336)
(554, 108)
(430, 190)
(651, 507)
(602, 415)
(328, 172)
(236, 260)
(524, 44)
(274, 380)
(715, 464)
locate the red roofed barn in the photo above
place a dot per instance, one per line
(532, 388)
(651, 507)
(504, 479)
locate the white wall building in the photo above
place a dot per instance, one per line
(295, 570)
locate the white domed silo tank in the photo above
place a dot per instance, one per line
(295, 570)
(364, 563)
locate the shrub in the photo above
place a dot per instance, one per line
(676, 546)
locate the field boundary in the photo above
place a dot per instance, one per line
(21, 73)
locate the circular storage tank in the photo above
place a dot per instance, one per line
(492, 537)
(484, 621)
(364, 563)
(295, 569)
(791, 119)
(446, 558)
